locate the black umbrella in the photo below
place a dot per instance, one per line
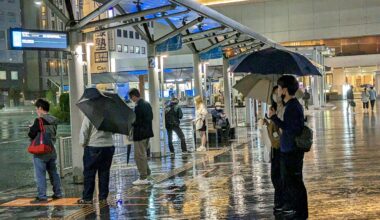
(107, 112)
(275, 61)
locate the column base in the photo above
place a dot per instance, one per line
(156, 154)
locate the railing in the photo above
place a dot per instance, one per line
(65, 156)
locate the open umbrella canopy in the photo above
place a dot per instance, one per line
(257, 86)
(106, 111)
(275, 61)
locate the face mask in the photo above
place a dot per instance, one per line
(275, 98)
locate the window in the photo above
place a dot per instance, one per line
(137, 50)
(62, 27)
(142, 50)
(118, 48)
(52, 14)
(131, 34)
(14, 75)
(11, 16)
(131, 49)
(3, 75)
(43, 11)
(151, 24)
(126, 48)
(125, 34)
(137, 35)
(48, 67)
(118, 32)
(53, 25)
(43, 24)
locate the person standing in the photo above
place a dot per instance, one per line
(306, 98)
(291, 158)
(365, 99)
(45, 162)
(97, 158)
(142, 132)
(350, 98)
(200, 121)
(372, 97)
(173, 114)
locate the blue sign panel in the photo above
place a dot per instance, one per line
(36, 39)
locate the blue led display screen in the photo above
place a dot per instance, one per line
(32, 39)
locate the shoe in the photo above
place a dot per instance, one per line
(141, 182)
(277, 209)
(103, 201)
(201, 148)
(84, 202)
(288, 213)
(54, 197)
(39, 201)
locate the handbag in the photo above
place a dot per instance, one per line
(42, 143)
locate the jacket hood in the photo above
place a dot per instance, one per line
(51, 119)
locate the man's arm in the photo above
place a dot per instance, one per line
(85, 132)
(34, 129)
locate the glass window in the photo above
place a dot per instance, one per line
(126, 48)
(137, 35)
(53, 25)
(118, 32)
(3, 75)
(131, 34)
(137, 49)
(125, 34)
(118, 48)
(14, 75)
(131, 49)
(143, 50)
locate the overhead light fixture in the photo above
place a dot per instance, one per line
(38, 2)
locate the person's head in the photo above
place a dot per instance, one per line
(351, 87)
(371, 87)
(174, 101)
(134, 94)
(198, 101)
(287, 86)
(42, 106)
(305, 90)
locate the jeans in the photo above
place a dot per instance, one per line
(276, 177)
(141, 159)
(180, 135)
(372, 104)
(97, 159)
(294, 194)
(40, 168)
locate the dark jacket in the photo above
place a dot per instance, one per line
(142, 127)
(291, 126)
(173, 114)
(350, 94)
(50, 125)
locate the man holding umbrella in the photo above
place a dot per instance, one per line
(142, 131)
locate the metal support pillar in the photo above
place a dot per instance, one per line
(76, 83)
(141, 86)
(154, 99)
(248, 111)
(197, 76)
(227, 90)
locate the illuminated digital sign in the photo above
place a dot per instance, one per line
(23, 39)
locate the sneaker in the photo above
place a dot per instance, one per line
(54, 197)
(201, 148)
(39, 201)
(141, 182)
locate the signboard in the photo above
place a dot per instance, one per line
(100, 53)
(23, 39)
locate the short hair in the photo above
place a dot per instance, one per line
(134, 92)
(371, 87)
(41, 103)
(290, 82)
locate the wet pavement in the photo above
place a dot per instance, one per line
(341, 175)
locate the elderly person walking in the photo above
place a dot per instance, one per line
(97, 158)
(200, 121)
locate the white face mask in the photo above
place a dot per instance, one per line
(276, 98)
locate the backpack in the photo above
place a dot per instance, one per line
(304, 141)
(221, 123)
(306, 96)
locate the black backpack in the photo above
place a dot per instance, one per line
(304, 140)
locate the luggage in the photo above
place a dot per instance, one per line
(42, 143)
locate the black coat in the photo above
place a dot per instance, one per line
(142, 127)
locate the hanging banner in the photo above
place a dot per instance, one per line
(99, 63)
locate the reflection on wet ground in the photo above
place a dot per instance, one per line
(341, 175)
